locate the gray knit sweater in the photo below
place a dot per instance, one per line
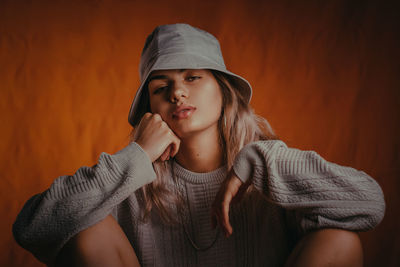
(298, 191)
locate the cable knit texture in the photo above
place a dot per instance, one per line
(323, 194)
(297, 191)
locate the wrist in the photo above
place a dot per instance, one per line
(245, 162)
(145, 151)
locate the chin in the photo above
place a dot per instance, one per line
(183, 131)
(188, 129)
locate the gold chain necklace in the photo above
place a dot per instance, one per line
(183, 213)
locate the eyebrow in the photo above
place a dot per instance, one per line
(162, 77)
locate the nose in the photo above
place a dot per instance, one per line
(177, 92)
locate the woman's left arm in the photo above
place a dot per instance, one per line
(322, 194)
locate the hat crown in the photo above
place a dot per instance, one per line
(181, 46)
(179, 39)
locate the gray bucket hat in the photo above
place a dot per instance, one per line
(181, 46)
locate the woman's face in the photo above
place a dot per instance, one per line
(188, 100)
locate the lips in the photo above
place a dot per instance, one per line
(183, 112)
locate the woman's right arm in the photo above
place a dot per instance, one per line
(74, 203)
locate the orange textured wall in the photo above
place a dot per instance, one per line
(325, 73)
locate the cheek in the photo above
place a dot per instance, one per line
(212, 103)
(215, 106)
(159, 108)
(155, 105)
(216, 99)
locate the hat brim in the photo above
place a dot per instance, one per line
(186, 61)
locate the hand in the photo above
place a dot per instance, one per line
(155, 137)
(231, 190)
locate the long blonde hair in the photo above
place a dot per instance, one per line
(238, 125)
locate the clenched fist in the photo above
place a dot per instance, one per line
(155, 137)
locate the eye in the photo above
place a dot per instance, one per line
(192, 78)
(159, 90)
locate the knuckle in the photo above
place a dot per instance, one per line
(164, 127)
(163, 124)
(170, 134)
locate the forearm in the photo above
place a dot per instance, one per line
(73, 203)
(321, 194)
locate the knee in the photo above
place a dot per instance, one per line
(342, 247)
(328, 247)
(103, 244)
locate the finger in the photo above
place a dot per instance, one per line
(156, 117)
(217, 220)
(164, 156)
(138, 128)
(175, 146)
(147, 115)
(232, 189)
(225, 214)
(235, 185)
(239, 195)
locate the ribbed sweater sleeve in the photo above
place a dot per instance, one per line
(73, 203)
(321, 194)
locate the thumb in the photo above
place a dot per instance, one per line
(165, 155)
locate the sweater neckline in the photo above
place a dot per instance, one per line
(215, 176)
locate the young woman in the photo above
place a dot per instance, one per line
(204, 182)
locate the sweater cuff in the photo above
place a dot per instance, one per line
(243, 165)
(252, 155)
(135, 161)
